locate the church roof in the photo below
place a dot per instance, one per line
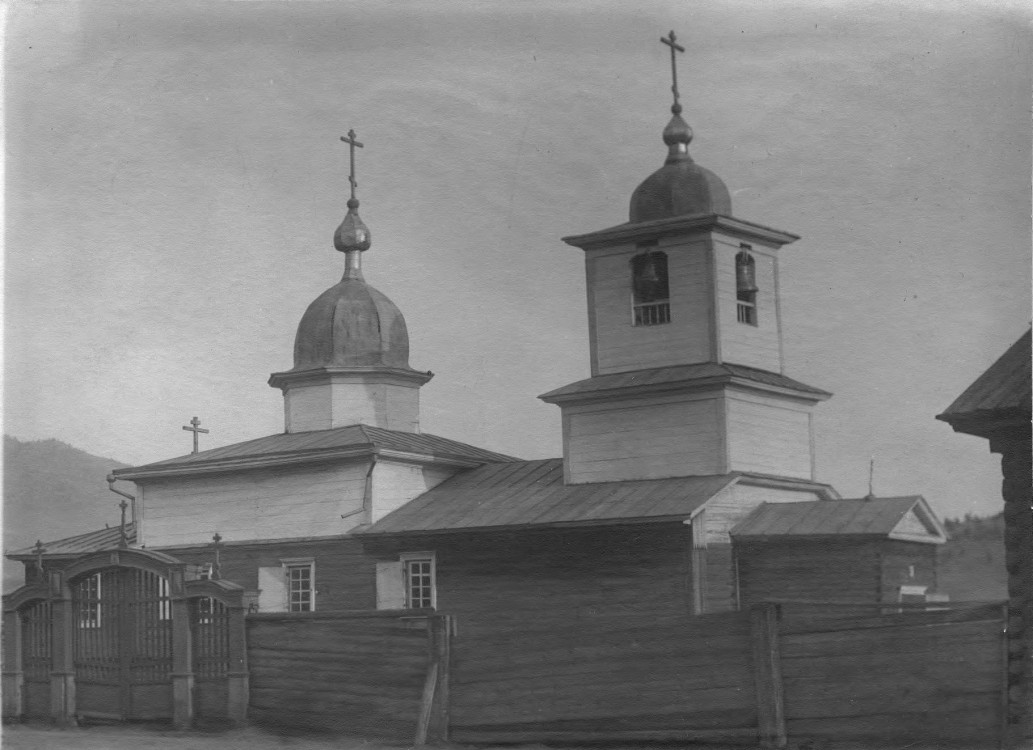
(532, 493)
(702, 373)
(1001, 395)
(908, 518)
(318, 445)
(81, 544)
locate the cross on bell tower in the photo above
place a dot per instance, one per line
(671, 41)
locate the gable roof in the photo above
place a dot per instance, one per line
(532, 493)
(318, 445)
(1000, 396)
(81, 544)
(695, 375)
(906, 518)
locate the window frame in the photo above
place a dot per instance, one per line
(407, 559)
(299, 563)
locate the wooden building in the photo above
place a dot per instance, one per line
(870, 549)
(997, 407)
(686, 425)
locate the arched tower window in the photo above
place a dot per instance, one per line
(651, 296)
(745, 286)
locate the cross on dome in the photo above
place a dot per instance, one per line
(671, 41)
(352, 143)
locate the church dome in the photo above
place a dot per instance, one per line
(680, 187)
(351, 324)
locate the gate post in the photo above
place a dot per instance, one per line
(767, 674)
(62, 674)
(237, 681)
(182, 656)
(14, 675)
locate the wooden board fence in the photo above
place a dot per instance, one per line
(356, 673)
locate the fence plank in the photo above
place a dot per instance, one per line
(767, 671)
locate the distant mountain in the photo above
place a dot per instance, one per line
(971, 564)
(52, 490)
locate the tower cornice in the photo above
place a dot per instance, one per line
(679, 225)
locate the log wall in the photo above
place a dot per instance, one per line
(360, 674)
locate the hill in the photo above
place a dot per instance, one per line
(52, 490)
(971, 564)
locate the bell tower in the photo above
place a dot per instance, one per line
(685, 337)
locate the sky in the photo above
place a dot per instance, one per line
(173, 178)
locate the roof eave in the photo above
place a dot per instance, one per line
(658, 228)
(685, 385)
(372, 532)
(250, 463)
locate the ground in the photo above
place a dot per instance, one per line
(38, 737)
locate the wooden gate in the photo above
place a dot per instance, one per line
(210, 637)
(122, 645)
(36, 656)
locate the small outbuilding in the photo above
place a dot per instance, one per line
(866, 550)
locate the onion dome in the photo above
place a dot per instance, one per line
(351, 324)
(680, 187)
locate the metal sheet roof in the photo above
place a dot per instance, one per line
(532, 493)
(81, 544)
(1002, 391)
(316, 443)
(703, 371)
(878, 516)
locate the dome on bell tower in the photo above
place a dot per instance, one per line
(680, 187)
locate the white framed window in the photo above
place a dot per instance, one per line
(300, 584)
(419, 580)
(745, 286)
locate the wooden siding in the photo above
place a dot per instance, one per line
(395, 484)
(262, 504)
(345, 576)
(586, 678)
(768, 435)
(346, 674)
(732, 505)
(619, 345)
(644, 439)
(898, 558)
(307, 408)
(721, 590)
(741, 343)
(833, 571)
(930, 679)
(549, 577)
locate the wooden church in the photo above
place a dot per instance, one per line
(686, 483)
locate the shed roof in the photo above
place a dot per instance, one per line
(701, 373)
(908, 518)
(316, 445)
(1002, 394)
(532, 493)
(81, 544)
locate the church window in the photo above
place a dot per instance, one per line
(418, 580)
(300, 591)
(650, 291)
(745, 286)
